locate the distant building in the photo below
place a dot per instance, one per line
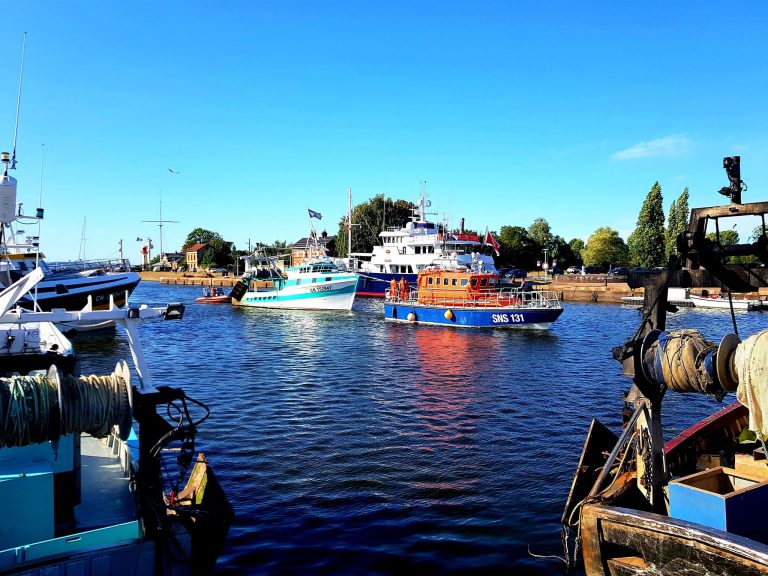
(195, 254)
(172, 260)
(300, 251)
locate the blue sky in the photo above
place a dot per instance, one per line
(510, 111)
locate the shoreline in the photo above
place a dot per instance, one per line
(598, 290)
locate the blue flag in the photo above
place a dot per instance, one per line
(313, 214)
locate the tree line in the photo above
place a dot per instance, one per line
(649, 245)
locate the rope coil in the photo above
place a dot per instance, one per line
(681, 359)
(35, 409)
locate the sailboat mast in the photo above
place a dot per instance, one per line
(349, 223)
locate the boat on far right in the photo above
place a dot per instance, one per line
(723, 302)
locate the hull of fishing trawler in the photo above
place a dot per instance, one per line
(336, 294)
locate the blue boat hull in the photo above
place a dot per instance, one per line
(374, 284)
(511, 317)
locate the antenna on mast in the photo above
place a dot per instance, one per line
(160, 224)
(18, 103)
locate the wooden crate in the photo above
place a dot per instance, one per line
(722, 498)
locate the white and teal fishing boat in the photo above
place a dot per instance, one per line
(318, 284)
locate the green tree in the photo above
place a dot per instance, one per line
(517, 248)
(541, 233)
(728, 238)
(671, 233)
(646, 243)
(561, 251)
(605, 248)
(368, 221)
(677, 222)
(577, 247)
(219, 250)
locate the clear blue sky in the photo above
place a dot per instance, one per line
(509, 110)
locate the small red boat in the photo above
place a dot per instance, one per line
(213, 295)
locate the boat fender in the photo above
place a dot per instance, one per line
(411, 316)
(448, 315)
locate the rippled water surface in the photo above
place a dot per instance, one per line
(350, 445)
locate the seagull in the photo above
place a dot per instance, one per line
(174, 172)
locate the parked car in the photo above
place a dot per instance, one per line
(573, 270)
(512, 273)
(555, 270)
(638, 270)
(594, 270)
(620, 271)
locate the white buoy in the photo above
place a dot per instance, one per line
(411, 316)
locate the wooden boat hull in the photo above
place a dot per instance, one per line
(513, 317)
(622, 540)
(615, 539)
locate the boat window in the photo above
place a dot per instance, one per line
(445, 281)
(327, 278)
(483, 282)
(298, 281)
(474, 282)
(491, 281)
(314, 280)
(409, 269)
(454, 282)
(463, 282)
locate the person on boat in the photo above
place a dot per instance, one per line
(403, 288)
(393, 289)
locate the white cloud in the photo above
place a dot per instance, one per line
(668, 146)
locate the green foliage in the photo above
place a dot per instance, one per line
(561, 251)
(219, 250)
(517, 248)
(541, 233)
(577, 247)
(368, 222)
(730, 238)
(671, 233)
(647, 242)
(727, 237)
(605, 248)
(677, 222)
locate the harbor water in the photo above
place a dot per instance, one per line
(351, 445)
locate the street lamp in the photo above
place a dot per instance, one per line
(546, 264)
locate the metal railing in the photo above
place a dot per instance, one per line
(72, 266)
(506, 297)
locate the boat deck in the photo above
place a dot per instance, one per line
(106, 498)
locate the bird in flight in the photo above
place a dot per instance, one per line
(174, 172)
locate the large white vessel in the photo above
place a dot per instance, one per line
(405, 251)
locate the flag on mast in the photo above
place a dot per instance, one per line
(313, 214)
(489, 239)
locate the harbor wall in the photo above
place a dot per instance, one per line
(575, 288)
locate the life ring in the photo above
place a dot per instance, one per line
(387, 251)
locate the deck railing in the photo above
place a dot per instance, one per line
(115, 265)
(512, 297)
